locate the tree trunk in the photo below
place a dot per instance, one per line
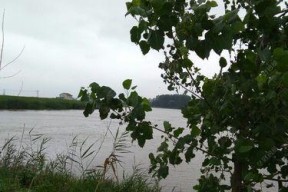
(236, 179)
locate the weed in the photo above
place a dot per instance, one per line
(25, 167)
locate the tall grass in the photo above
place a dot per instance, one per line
(26, 167)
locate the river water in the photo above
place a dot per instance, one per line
(63, 126)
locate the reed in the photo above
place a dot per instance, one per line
(26, 167)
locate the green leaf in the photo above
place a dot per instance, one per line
(250, 176)
(156, 39)
(187, 63)
(143, 26)
(136, 2)
(146, 105)
(195, 131)
(83, 95)
(104, 111)
(133, 99)
(157, 5)
(231, 16)
(215, 161)
(212, 3)
(264, 54)
(285, 78)
(192, 43)
(223, 62)
(106, 92)
(171, 87)
(189, 154)
(163, 146)
(206, 162)
(94, 87)
(261, 80)
(167, 126)
(174, 158)
(122, 97)
(145, 47)
(245, 148)
(284, 171)
(281, 58)
(88, 109)
(136, 10)
(141, 142)
(163, 171)
(138, 112)
(146, 130)
(128, 5)
(178, 131)
(127, 84)
(202, 50)
(237, 27)
(184, 51)
(135, 35)
(115, 104)
(225, 142)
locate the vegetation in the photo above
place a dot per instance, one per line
(26, 168)
(170, 101)
(35, 103)
(238, 117)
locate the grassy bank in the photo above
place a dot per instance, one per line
(34, 103)
(24, 166)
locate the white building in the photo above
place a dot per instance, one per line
(67, 96)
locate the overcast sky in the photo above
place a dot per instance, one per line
(71, 43)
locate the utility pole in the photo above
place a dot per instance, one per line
(37, 93)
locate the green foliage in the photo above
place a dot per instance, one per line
(127, 84)
(34, 103)
(210, 184)
(128, 109)
(240, 114)
(170, 101)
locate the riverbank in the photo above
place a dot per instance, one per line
(27, 168)
(35, 103)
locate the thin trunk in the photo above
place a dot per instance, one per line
(236, 179)
(280, 184)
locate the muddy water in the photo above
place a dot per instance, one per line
(63, 126)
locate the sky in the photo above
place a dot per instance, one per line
(69, 44)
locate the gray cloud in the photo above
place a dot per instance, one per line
(71, 43)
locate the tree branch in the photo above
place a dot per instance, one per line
(13, 59)
(2, 43)
(6, 77)
(272, 179)
(198, 148)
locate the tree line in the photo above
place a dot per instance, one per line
(174, 101)
(35, 103)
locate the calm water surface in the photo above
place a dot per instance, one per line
(63, 126)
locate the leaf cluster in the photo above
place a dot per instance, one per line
(129, 108)
(238, 117)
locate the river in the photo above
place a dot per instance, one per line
(63, 126)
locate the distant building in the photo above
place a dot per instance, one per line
(67, 96)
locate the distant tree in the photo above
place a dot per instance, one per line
(239, 117)
(170, 101)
